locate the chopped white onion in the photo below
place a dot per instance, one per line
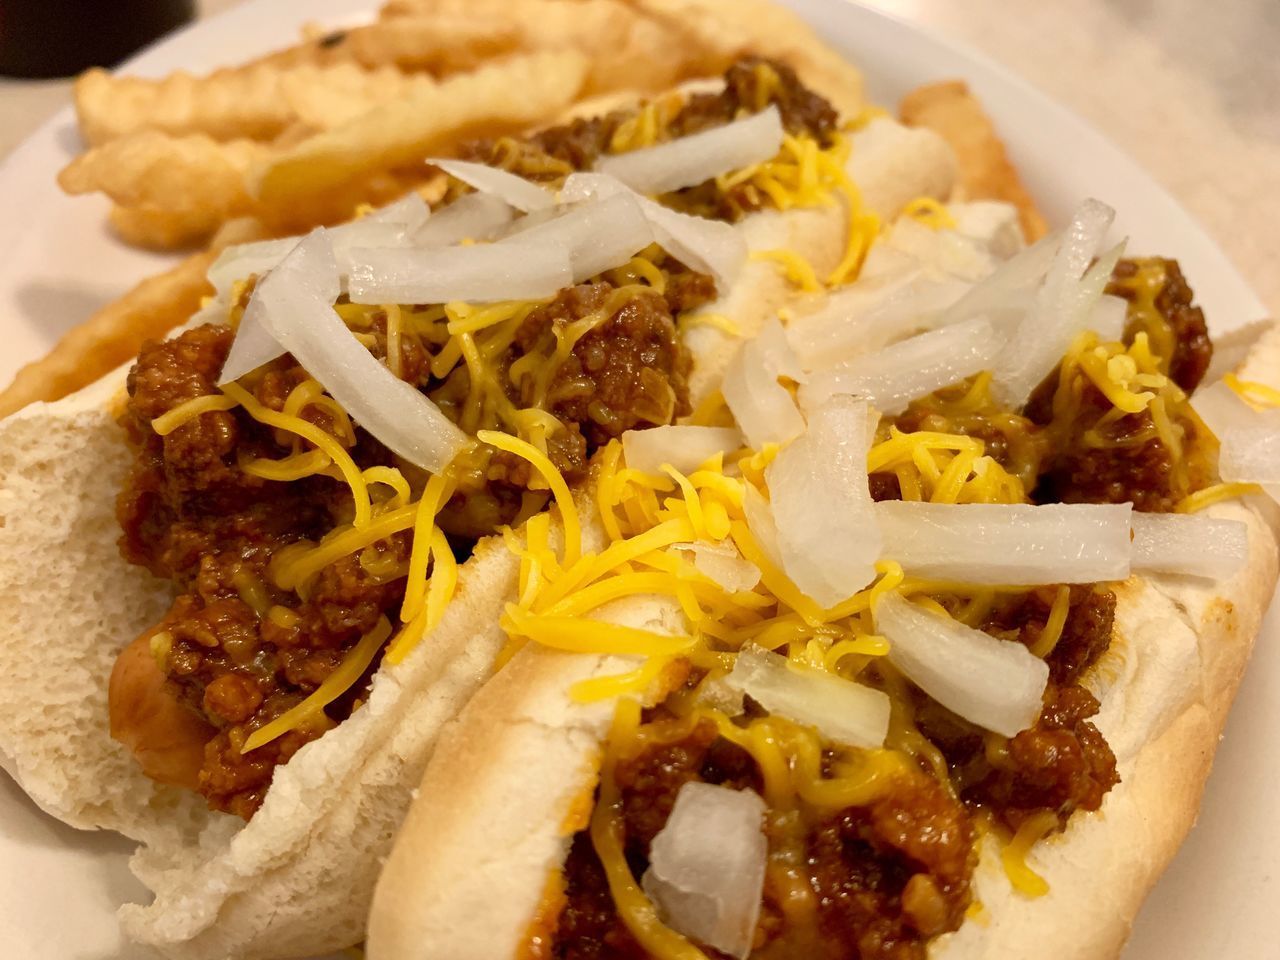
(698, 157)
(484, 273)
(1008, 291)
(1007, 544)
(992, 223)
(843, 712)
(517, 191)
(763, 408)
(684, 447)
(708, 246)
(1063, 305)
(245, 260)
(893, 377)
(476, 216)
(1192, 544)
(410, 211)
(869, 315)
(1249, 438)
(1250, 454)
(1109, 317)
(297, 310)
(706, 866)
(722, 563)
(828, 542)
(1231, 349)
(945, 250)
(1221, 408)
(599, 234)
(391, 226)
(997, 684)
(252, 347)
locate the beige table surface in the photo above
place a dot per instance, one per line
(1191, 89)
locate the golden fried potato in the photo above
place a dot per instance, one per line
(324, 99)
(439, 45)
(229, 104)
(113, 335)
(951, 111)
(156, 171)
(152, 228)
(320, 179)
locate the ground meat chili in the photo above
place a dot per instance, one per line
(751, 85)
(885, 878)
(1126, 459)
(189, 514)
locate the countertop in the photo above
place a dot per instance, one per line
(1189, 89)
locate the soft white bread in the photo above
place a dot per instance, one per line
(69, 602)
(1165, 685)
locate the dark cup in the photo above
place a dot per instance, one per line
(59, 38)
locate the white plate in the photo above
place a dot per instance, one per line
(58, 887)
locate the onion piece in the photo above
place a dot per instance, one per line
(843, 711)
(599, 234)
(945, 250)
(706, 866)
(763, 408)
(484, 273)
(1221, 408)
(893, 377)
(992, 223)
(297, 310)
(1007, 544)
(517, 191)
(1063, 305)
(997, 684)
(475, 216)
(252, 347)
(684, 447)
(698, 157)
(1010, 289)
(708, 246)
(871, 314)
(1249, 438)
(1192, 544)
(828, 542)
(1109, 316)
(722, 564)
(392, 225)
(1250, 454)
(245, 260)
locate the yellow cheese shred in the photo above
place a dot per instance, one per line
(166, 423)
(634, 908)
(310, 432)
(335, 685)
(797, 269)
(1014, 855)
(554, 479)
(930, 212)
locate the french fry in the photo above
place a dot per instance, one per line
(441, 45)
(643, 55)
(951, 111)
(229, 104)
(156, 171)
(320, 179)
(155, 229)
(113, 335)
(324, 99)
